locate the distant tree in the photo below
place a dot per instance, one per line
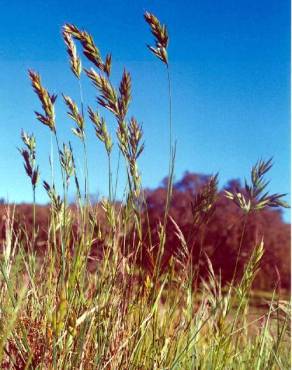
(220, 238)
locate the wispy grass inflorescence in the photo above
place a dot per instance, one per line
(255, 198)
(160, 34)
(47, 100)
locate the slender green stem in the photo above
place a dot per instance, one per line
(117, 176)
(170, 179)
(81, 97)
(86, 175)
(239, 248)
(171, 150)
(63, 233)
(34, 216)
(170, 110)
(109, 177)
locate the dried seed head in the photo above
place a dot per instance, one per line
(75, 61)
(89, 48)
(46, 99)
(57, 204)
(76, 116)
(72, 30)
(66, 158)
(254, 198)
(29, 141)
(101, 130)
(125, 95)
(108, 97)
(108, 64)
(129, 138)
(203, 205)
(135, 136)
(161, 37)
(29, 156)
(159, 31)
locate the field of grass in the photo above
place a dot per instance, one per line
(57, 313)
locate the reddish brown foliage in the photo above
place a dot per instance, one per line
(219, 238)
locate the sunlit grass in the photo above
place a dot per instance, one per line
(56, 314)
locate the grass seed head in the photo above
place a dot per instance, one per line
(125, 95)
(129, 138)
(101, 129)
(108, 97)
(255, 198)
(66, 159)
(160, 34)
(47, 101)
(75, 61)
(29, 155)
(89, 48)
(76, 116)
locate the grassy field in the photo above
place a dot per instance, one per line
(57, 314)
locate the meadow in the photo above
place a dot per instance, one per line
(117, 285)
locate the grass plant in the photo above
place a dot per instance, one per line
(57, 314)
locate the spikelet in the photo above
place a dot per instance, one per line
(161, 37)
(203, 205)
(66, 160)
(89, 48)
(108, 97)
(29, 156)
(75, 61)
(129, 138)
(76, 116)
(47, 100)
(101, 129)
(254, 198)
(125, 95)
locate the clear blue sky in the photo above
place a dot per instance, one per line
(230, 66)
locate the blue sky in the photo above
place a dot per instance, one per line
(230, 69)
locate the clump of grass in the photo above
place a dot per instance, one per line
(59, 315)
